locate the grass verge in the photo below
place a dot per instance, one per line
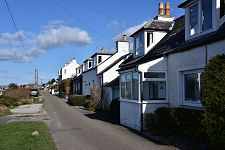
(17, 135)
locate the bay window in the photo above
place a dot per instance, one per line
(192, 87)
(154, 86)
(129, 86)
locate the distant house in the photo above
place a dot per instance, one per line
(68, 71)
(168, 75)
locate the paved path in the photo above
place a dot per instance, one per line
(27, 109)
(72, 129)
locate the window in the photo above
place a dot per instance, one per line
(65, 71)
(222, 8)
(206, 14)
(194, 19)
(99, 59)
(149, 39)
(154, 86)
(89, 64)
(129, 83)
(128, 86)
(139, 44)
(192, 87)
(122, 86)
(135, 87)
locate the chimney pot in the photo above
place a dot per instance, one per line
(161, 7)
(167, 9)
(124, 38)
(102, 50)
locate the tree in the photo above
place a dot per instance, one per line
(13, 86)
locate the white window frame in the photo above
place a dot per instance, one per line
(189, 103)
(199, 31)
(156, 79)
(130, 100)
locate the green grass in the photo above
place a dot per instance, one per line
(17, 135)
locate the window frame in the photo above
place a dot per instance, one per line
(190, 103)
(132, 99)
(200, 21)
(140, 44)
(156, 79)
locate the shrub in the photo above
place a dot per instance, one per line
(13, 86)
(65, 86)
(77, 100)
(94, 100)
(8, 102)
(213, 100)
(3, 108)
(17, 94)
(178, 121)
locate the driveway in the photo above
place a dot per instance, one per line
(72, 129)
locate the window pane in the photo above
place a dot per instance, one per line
(206, 14)
(194, 19)
(149, 39)
(141, 43)
(122, 86)
(192, 87)
(99, 59)
(222, 8)
(154, 75)
(137, 45)
(135, 86)
(154, 90)
(128, 86)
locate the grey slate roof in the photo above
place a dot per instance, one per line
(113, 83)
(173, 42)
(184, 3)
(155, 25)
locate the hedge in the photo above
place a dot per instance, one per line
(178, 121)
(77, 100)
(213, 100)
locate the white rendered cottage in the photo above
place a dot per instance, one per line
(102, 69)
(169, 74)
(142, 86)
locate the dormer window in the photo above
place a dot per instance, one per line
(222, 8)
(200, 21)
(149, 39)
(89, 64)
(99, 59)
(139, 44)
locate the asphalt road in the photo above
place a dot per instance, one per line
(72, 129)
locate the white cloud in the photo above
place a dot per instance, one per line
(36, 45)
(61, 36)
(114, 24)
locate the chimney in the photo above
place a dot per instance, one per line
(124, 38)
(102, 50)
(161, 13)
(167, 9)
(73, 58)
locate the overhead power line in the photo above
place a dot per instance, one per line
(78, 19)
(17, 31)
(101, 12)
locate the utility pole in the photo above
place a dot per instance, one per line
(35, 77)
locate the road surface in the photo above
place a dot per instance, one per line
(72, 129)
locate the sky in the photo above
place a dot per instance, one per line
(54, 32)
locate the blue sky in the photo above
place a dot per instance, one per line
(55, 31)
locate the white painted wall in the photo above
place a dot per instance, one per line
(194, 59)
(70, 69)
(88, 78)
(130, 115)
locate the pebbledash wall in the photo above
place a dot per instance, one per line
(188, 61)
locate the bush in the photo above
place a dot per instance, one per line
(180, 121)
(16, 94)
(65, 86)
(8, 102)
(213, 100)
(77, 100)
(94, 100)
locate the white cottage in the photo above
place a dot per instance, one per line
(169, 74)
